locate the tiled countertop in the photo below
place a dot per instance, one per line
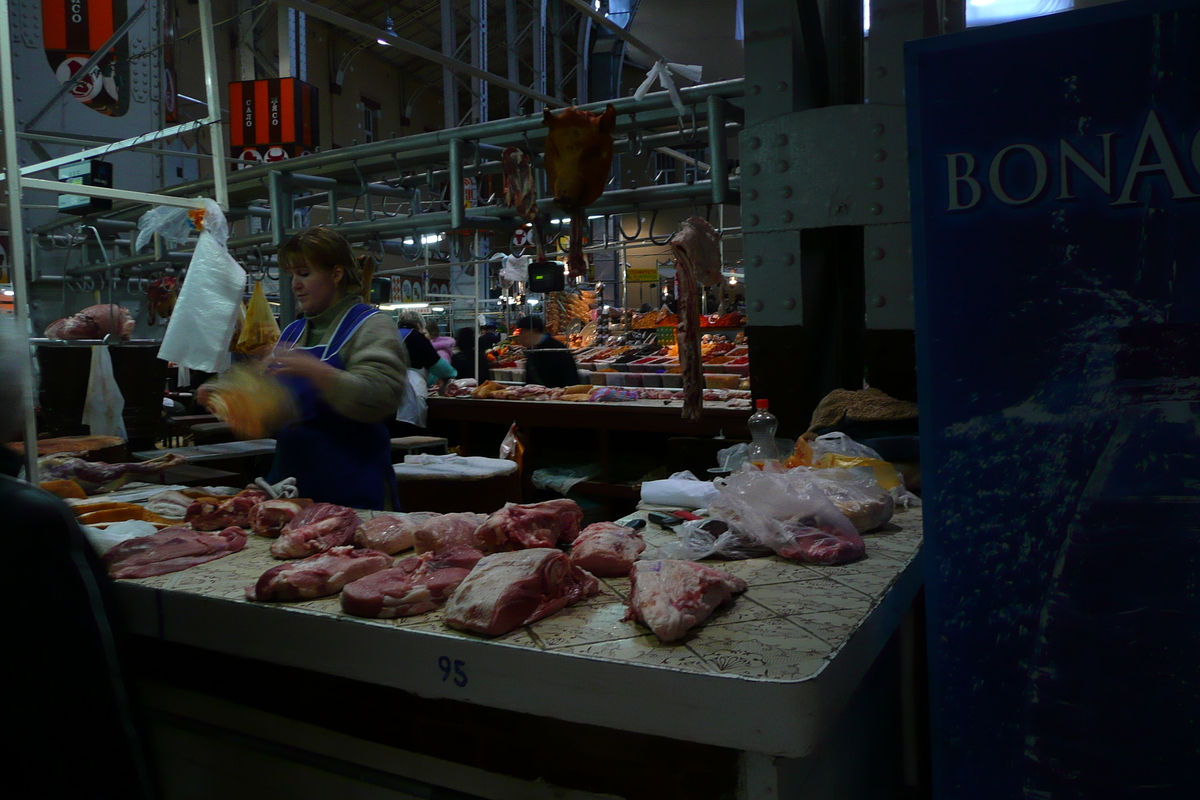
(765, 674)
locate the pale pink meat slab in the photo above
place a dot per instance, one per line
(442, 532)
(415, 585)
(507, 590)
(269, 517)
(517, 527)
(391, 533)
(320, 527)
(170, 550)
(317, 576)
(607, 550)
(671, 597)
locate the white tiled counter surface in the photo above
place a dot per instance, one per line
(766, 674)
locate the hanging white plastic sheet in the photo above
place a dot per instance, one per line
(210, 301)
(104, 405)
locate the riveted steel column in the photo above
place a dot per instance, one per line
(514, 60)
(479, 57)
(449, 80)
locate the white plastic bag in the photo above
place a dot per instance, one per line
(210, 301)
(681, 490)
(104, 405)
(843, 445)
(701, 538)
(171, 223)
(790, 514)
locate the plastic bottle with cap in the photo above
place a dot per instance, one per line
(762, 425)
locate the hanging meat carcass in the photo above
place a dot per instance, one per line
(94, 322)
(579, 152)
(161, 297)
(697, 263)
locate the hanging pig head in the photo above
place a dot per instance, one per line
(579, 153)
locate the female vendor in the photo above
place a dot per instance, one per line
(346, 368)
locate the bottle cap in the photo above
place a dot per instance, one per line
(763, 403)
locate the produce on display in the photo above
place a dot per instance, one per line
(318, 575)
(391, 533)
(416, 585)
(95, 476)
(212, 513)
(508, 590)
(320, 527)
(563, 308)
(517, 527)
(444, 532)
(269, 517)
(671, 597)
(579, 151)
(170, 550)
(697, 262)
(607, 550)
(94, 322)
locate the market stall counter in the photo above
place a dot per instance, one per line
(797, 683)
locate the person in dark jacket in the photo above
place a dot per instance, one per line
(464, 361)
(66, 696)
(548, 362)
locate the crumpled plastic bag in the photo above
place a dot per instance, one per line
(210, 302)
(513, 447)
(173, 224)
(787, 512)
(857, 494)
(254, 404)
(104, 405)
(260, 331)
(704, 538)
(681, 490)
(563, 479)
(735, 457)
(837, 450)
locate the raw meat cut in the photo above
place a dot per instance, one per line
(697, 261)
(170, 503)
(317, 576)
(204, 515)
(607, 550)
(819, 546)
(507, 590)
(670, 597)
(96, 475)
(415, 585)
(448, 531)
(579, 152)
(170, 550)
(93, 322)
(269, 517)
(517, 527)
(318, 528)
(161, 297)
(391, 533)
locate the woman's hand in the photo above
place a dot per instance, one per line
(305, 364)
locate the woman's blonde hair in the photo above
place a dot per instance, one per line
(325, 249)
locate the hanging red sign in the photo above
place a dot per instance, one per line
(72, 32)
(277, 111)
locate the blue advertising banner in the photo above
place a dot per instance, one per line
(1055, 172)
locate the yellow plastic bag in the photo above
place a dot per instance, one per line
(885, 473)
(260, 331)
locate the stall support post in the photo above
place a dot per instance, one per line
(16, 237)
(719, 149)
(281, 217)
(216, 130)
(457, 195)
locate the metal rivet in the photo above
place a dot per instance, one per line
(878, 253)
(758, 305)
(789, 259)
(877, 129)
(876, 209)
(783, 86)
(876, 183)
(879, 301)
(752, 219)
(786, 216)
(881, 155)
(752, 194)
(880, 72)
(781, 140)
(755, 169)
(785, 192)
(756, 261)
(790, 303)
(755, 142)
(755, 89)
(782, 166)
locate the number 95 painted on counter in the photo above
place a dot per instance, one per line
(453, 668)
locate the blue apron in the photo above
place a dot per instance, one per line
(333, 458)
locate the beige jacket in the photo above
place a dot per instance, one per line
(369, 388)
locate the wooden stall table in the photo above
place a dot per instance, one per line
(235, 458)
(110, 449)
(456, 483)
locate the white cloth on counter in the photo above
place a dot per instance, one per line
(104, 539)
(681, 490)
(424, 466)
